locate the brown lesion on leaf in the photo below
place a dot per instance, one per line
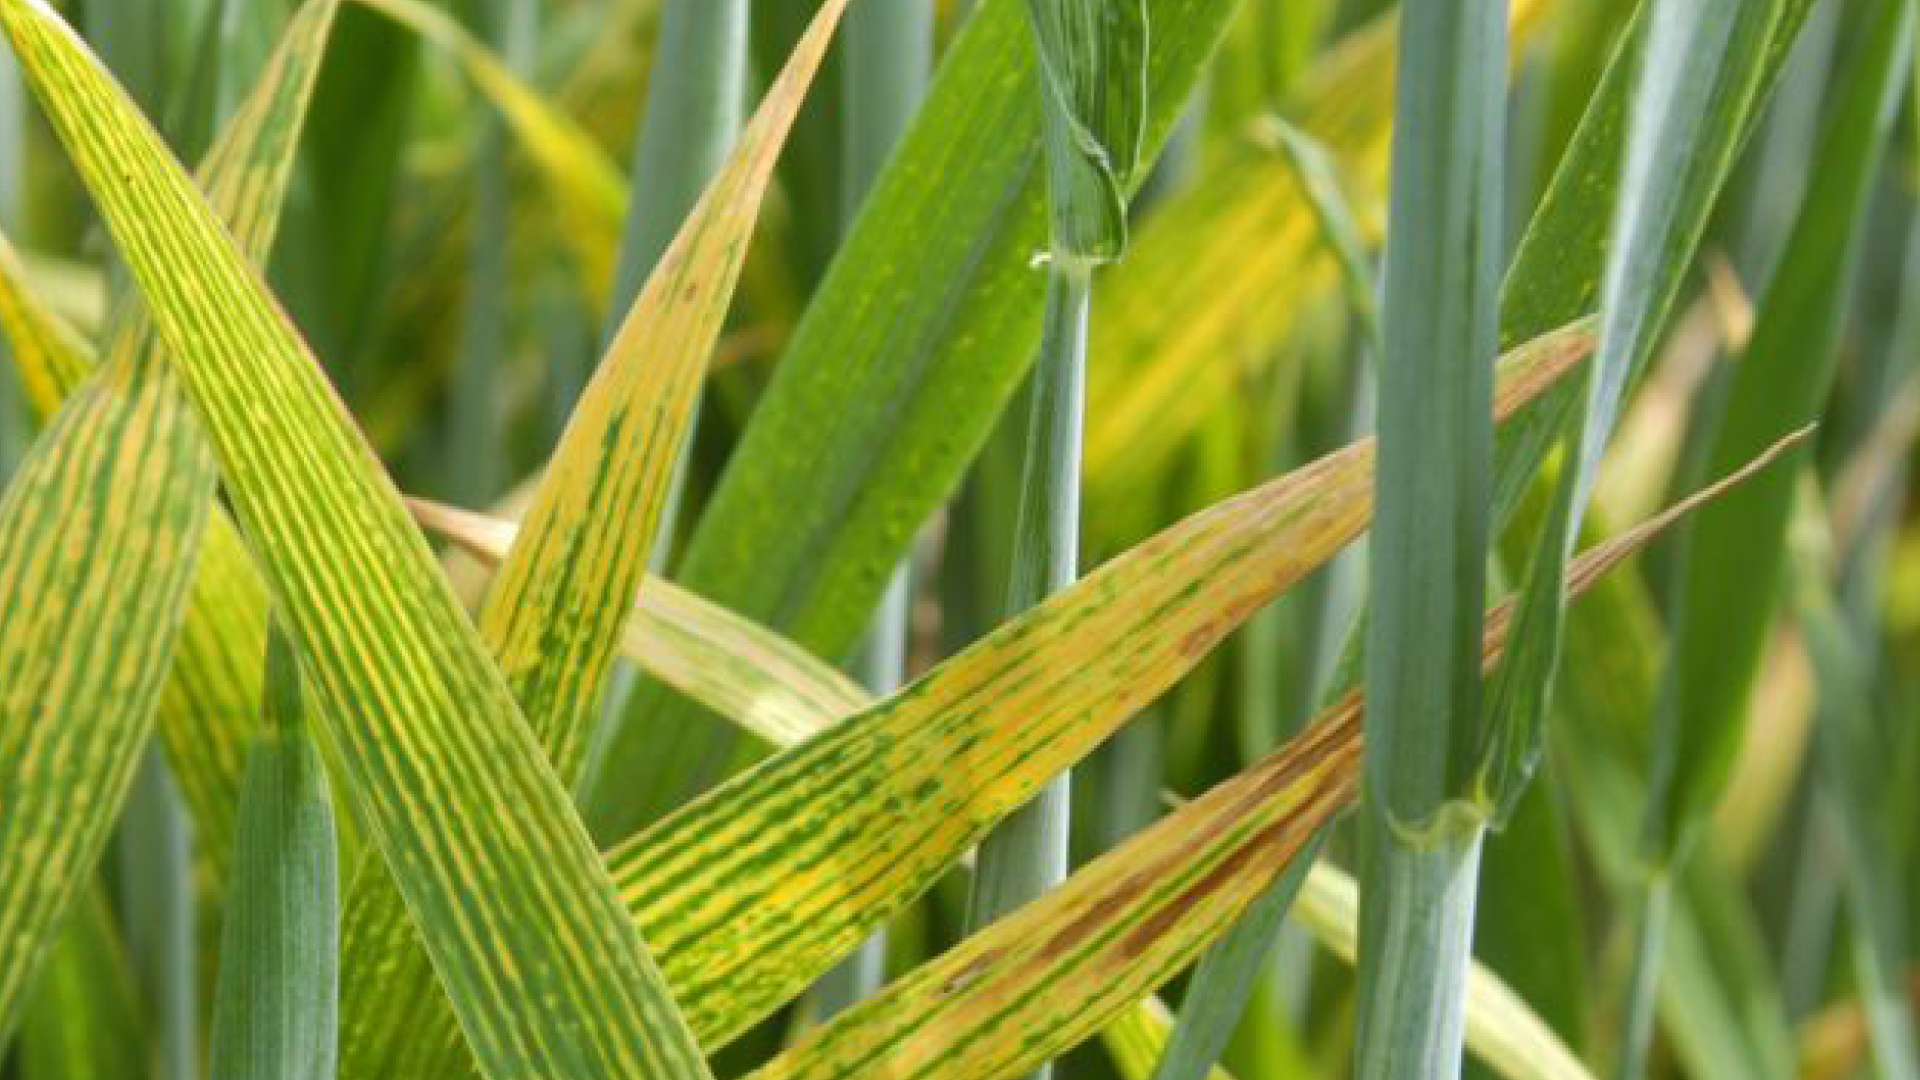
(970, 972)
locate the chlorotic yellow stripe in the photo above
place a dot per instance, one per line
(553, 619)
(1038, 982)
(548, 975)
(208, 707)
(753, 891)
(100, 532)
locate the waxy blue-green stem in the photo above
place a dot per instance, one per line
(1027, 854)
(1420, 842)
(476, 463)
(696, 105)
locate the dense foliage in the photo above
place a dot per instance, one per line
(959, 539)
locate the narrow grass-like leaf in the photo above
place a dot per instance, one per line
(451, 784)
(276, 1001)
(1727, 598)
(828, 840)
(211, 697)
(914, 342)
(1687, 111)
(1428, 549)
(1038, 982)
(553, 617)
(99, 535)
(1313, 164)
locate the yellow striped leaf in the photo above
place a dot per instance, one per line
(1038, 982)
(827, 840)
(49, 355)
(208, 708)
(549, 977)
(763, 681)
(100, 533)
(553, 618)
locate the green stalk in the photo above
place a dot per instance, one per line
(277, 999)
(696, 104)
(1093, 64)
(476, 464)
(1420, 846)
(886, 63)
(1643, 980)
(1027, 854)
(156, 900)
